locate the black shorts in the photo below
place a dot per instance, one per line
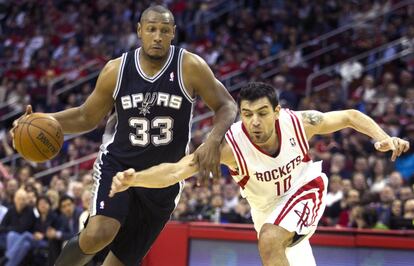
(142, 212)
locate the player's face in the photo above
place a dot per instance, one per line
(259, 118)
(156, 33)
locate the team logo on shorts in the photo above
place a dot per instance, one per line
(303, 216)
(101, 205)
(292, 142)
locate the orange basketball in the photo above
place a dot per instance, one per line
(38, 137)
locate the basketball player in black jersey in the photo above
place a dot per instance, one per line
(150, 92)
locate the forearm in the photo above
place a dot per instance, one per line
(366, 125)
(73, 121)
(166, 174)
(223, 118)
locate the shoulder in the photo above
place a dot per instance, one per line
(191, 60)
(311, 117)
(235, 129)
(112, 67)
(108, 77)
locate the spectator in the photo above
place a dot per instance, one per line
(17, 223)
(231, 198)
(352, 199)
(68, 225)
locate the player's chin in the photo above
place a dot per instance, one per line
(156, 55)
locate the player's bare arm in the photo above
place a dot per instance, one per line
(316, 123)
(168, 173)
(200, 80)
(87, 116)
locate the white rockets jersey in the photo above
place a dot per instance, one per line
(264, 178)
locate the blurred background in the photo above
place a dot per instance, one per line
(324, 55)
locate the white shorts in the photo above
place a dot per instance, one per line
(299, 210)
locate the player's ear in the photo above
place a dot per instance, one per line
(277, 111)
(277, 108)
(174, 31)
(139, 28)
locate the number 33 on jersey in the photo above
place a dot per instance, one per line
(150, 113)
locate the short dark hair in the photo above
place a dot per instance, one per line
(65, 198)
(158, 9)
(45, 198)
(256, 90)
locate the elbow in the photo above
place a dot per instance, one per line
(351, 117)
(230, 107)
(86, 121)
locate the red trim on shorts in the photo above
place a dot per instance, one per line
(315, 183)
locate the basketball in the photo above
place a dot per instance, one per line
(38, 137)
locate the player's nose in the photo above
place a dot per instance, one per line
(256, 121)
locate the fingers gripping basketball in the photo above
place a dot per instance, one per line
(38, 137)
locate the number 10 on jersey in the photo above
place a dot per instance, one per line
(142, 137)
(283, 185)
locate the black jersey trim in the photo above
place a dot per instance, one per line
(120, 74)
(180, 76)
(162, 70)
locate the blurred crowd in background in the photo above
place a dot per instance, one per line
(46, 45)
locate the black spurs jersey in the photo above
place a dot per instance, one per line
(151, 122)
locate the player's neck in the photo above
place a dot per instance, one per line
(150, 65)
(271, 146)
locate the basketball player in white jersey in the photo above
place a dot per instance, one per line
(268, 154)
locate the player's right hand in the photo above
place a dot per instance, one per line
(122, 181)
(15, 122)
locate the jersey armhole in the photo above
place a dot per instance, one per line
(230, 140)
(180, 77)
(119, 77)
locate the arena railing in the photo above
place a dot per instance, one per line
(321, 40)
(15, 112)
(91, 66)
(73, 163)
(227, 80)
(12, 159)
(402, 44)
(214, 12)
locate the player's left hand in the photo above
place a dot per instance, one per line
(394, 144)
(122, 181)
(207, 157)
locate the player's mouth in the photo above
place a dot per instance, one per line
(257, 134)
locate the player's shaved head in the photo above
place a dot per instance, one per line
(168, 16)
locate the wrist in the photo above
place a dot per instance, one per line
(214, 139)
(382, 137)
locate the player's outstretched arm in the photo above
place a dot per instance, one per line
(165, 174)
(200, 80)
(316, 123)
